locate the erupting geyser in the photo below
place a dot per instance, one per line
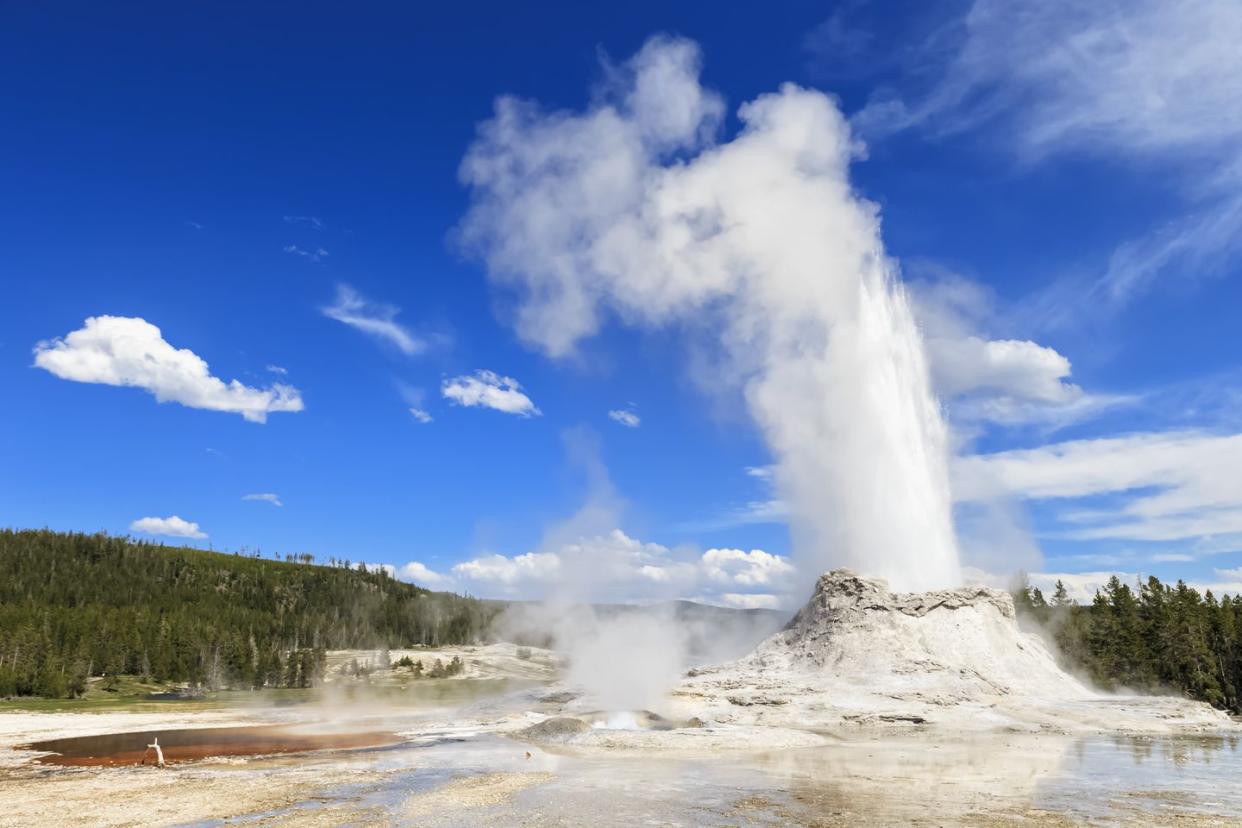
(761, 250)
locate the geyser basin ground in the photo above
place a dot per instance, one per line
(937, 696)
(482, 779)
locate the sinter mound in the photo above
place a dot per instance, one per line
(857, 653)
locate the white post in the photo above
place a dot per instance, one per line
(159, 752)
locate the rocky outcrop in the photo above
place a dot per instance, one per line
(557, 729)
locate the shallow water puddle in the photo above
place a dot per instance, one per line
(113, 749)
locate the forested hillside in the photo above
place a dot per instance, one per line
(1157, 638)
(75, 605)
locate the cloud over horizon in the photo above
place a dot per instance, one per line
(623, 568)
(172, 526)
(419, 574)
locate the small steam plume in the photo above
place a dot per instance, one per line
(631, 209)
(624, 657)
(623, 660)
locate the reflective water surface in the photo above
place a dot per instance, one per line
(995, 780)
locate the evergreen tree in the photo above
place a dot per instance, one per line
(1160, 639)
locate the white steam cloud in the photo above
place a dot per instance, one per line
(625, 657)
(630, 209)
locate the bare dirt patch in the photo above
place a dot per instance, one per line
(484, 791)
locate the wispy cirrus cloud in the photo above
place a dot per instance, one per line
(625, 417)
(316, 254)
(769, 508)
(1147, 82)
(1141, 77)
(413, 396)
(1155, 487)
(130, 351)
(374, 319)
(1201, 244)
(265, 497)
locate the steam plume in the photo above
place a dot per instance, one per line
(631, 209)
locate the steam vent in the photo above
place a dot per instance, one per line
(857, 653)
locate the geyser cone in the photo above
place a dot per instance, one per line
(859, 654)
(959, 644)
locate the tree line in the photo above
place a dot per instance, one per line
(1150, 638)
(76, 606)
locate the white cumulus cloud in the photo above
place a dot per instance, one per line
(617, 567)
(420, 415)
(752, 569)
(419, 573)
(532, 568)
(129, 351)
(986, 378)
(373, 318)
(487, 389)
(172, 526)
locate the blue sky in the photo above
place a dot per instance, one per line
(280, 185)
